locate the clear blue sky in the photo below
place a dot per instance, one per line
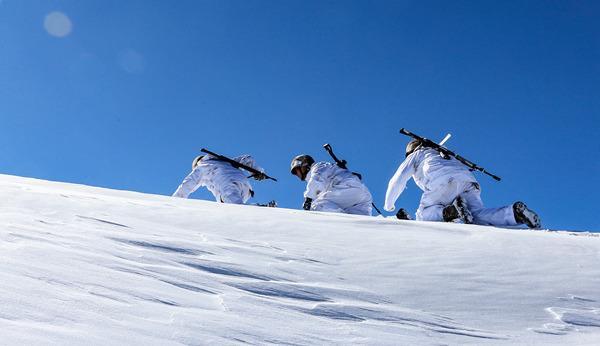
(126, 95)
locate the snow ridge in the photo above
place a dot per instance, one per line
(84, 265)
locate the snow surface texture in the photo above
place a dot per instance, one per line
(90, 266)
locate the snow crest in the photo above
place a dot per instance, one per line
(84, 265)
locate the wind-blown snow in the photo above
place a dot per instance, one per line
(92, 266)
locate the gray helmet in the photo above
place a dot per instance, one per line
(196, 161)
(301, 161)
(412, 146)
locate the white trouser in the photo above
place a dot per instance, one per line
(433, 203)
(234, 193)
(349, 200)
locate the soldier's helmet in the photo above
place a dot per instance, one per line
(301, 161)
(196, 161)
(412, 146)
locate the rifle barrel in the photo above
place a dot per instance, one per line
(236, 164)
(446, 151)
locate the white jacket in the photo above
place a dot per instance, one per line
(327, 176)
(216, 175)
(429, 170)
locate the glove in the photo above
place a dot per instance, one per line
(307, 203)
(259, 176)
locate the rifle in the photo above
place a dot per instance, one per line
(447, 153)
(344, 165)
(237, 164)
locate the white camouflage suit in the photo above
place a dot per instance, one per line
(337, 190)
(227, 183)
(442, 181)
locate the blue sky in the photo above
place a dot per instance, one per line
(127, 95)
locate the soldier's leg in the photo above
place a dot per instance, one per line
(359, 201)
(433, 202)
(503, 216)
(364, 208)
(232, 194)
(353, 200)
(430, 212)
(324, 204)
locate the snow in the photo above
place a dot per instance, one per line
(89, 266)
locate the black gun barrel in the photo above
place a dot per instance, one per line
(447, 152)
(236, 164)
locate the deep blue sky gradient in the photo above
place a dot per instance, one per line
(138, 87)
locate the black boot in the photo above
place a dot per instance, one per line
(402, 214)
(271, 204)
(457, 211)
(524, 215)
(450, 213)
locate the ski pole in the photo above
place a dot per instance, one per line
(376, 209)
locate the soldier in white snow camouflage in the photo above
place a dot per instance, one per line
(227, 183)
(451, 192)
(331, 188)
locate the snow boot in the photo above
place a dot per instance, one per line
(457, 211)
(271, 204)
(524, 215)
(402, 214)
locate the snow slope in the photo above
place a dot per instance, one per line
(82, 265)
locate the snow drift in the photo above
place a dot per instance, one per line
(83, 265)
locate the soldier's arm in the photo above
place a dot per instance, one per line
(398, 182)
(318, 181)
(190, 184)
